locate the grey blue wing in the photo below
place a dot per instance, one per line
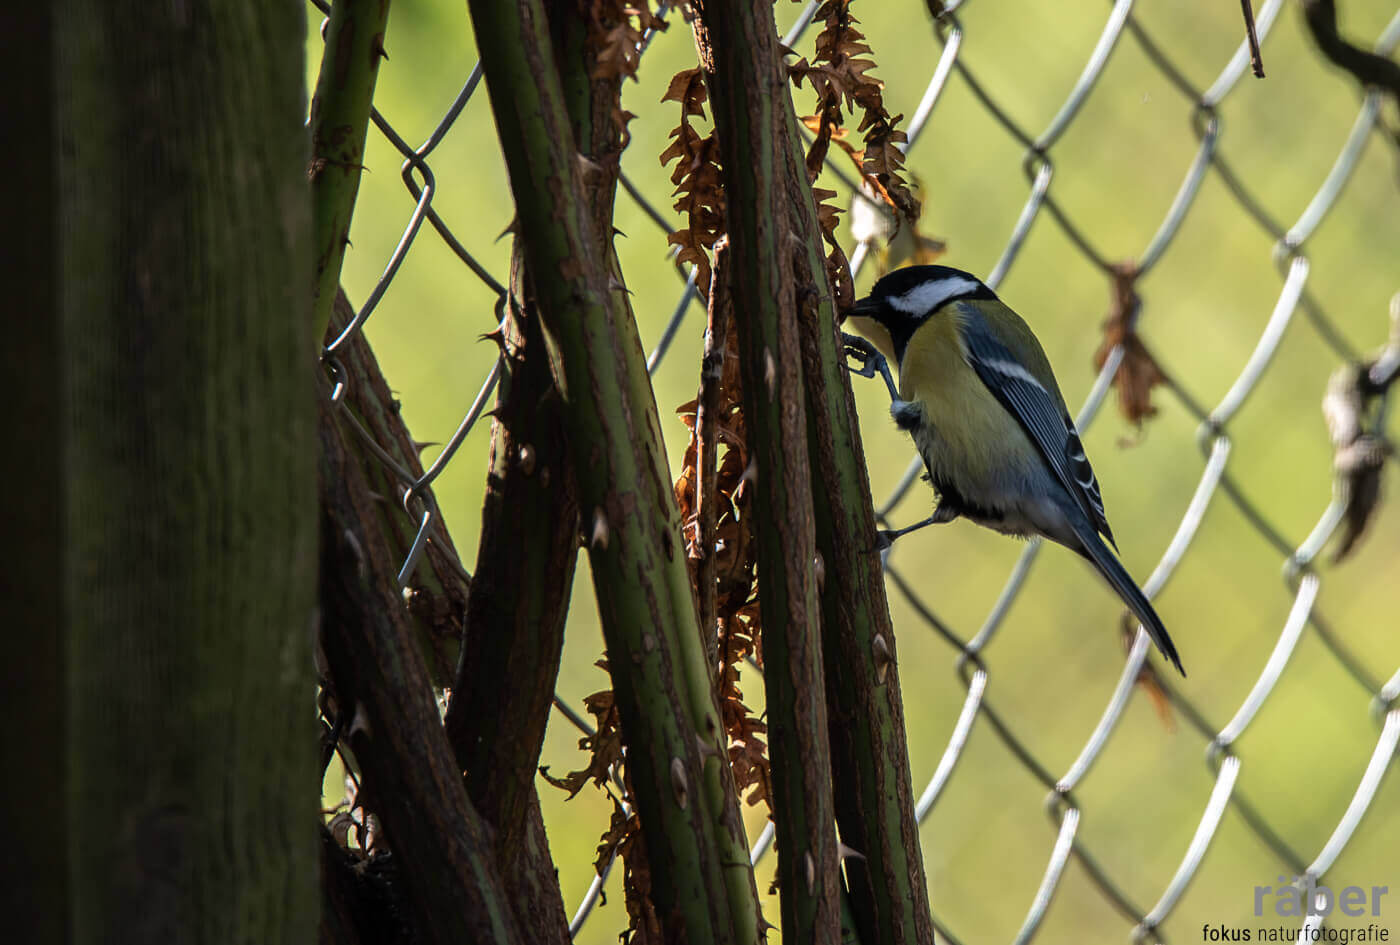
(1041, 415)
(1084, 476)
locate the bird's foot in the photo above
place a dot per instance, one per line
(861, 350)
(945, 513)
(871, 361)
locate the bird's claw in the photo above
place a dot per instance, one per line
(943, 514)
(858, 349)
(871, 361)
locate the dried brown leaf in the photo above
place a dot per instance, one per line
(1138, 373)
(688, 88)
(699, 185)
(735, 571)
(604, 746)
(615, 32)
(1148, 679)
(840, 76)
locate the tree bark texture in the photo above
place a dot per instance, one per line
(765, 274)
(436, 593)
(869, 744)
(529, 545)
(873, 794)
(360, 898)
(189, 430)
(519, 600)
(410, 778)
(354, 44)
(33, 705)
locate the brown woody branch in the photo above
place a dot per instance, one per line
(514, 634)
(1368, 68)
(719, 316)
(764, 275)
(1256, 58)
(410, 778)
(670, 718)
(436, 594)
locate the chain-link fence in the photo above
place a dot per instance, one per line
(1042, 721)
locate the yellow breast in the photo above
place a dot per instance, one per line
(972, 440)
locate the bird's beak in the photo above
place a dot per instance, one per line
(864, 308)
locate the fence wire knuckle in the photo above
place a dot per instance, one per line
(1301, 580)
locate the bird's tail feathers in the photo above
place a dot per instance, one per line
(1118, 578)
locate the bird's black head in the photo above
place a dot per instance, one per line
(902, 300)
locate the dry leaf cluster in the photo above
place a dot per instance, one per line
(837, 73)
(736, 579)
(604, 746)
(699, 184)
(616, 30)
(623, 838)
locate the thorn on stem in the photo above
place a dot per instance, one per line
(588, 168)
(707, 749)
(358, 552)
(359, 722)
(883, 657)
(678, 783)
(599, 539)
(497, 337)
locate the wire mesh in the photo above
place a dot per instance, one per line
(1215, 440)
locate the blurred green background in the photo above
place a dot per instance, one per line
(1054, 664)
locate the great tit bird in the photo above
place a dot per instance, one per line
(977, 395)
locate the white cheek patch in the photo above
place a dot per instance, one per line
(927, 296)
